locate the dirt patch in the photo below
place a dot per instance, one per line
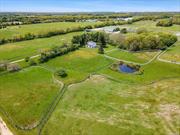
(93, 78)
(167, 110)
(4, 130)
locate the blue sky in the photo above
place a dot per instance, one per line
(89, 5)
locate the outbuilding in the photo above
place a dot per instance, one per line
(91, 44)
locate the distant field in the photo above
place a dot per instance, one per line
(173, 53)
(12, 31)
(151, 26)
(27, 94)
(19, 50)
(139, 57)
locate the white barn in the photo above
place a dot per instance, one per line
(91, 44)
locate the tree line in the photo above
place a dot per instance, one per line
(169, 22)
(30, 36)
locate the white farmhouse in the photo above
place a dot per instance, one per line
(91, 44)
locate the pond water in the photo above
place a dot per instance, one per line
(126, 69)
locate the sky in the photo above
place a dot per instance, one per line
(89, 5)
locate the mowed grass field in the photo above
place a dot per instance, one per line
(41, 28)
(173, 53)
(27, 94)
(20, 50)
(139, 57)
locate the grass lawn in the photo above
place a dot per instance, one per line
(25, 95)
(100, 106)
(13, 31)
(173, 53)
(20, 50)
(139, 57)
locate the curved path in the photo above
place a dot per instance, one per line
(142, 64)
(167, 61)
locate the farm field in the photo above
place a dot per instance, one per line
(12, 31)
(75, 90)
(19, 50)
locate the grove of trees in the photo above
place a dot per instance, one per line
(165, 23)
(99, 37)
(144, 41)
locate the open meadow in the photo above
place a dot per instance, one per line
(21, 30)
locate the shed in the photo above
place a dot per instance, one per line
(91, 44)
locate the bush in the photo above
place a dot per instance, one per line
(116, 29)
(3, 65)
(165, 23)
(27, 59)
(124, 31)
(62, 73)
(141, 30)
(100, 50)
(32, 63)
(13, 67)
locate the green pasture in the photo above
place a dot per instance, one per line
(12, 31)
(100, 106)
(139, 57)
(97, 100)
(27, 94)
(20, 50)
(79, 64)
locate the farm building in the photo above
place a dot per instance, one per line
(91, 44)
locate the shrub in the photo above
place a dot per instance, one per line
(123, 30)
(165, 23)
(62, 73)
(13, 67)
(32, 63)
(27, 59)
(116, 29)
(3, 65)
(100, 50)
(141, 30)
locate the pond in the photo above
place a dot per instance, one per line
(126, 69)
